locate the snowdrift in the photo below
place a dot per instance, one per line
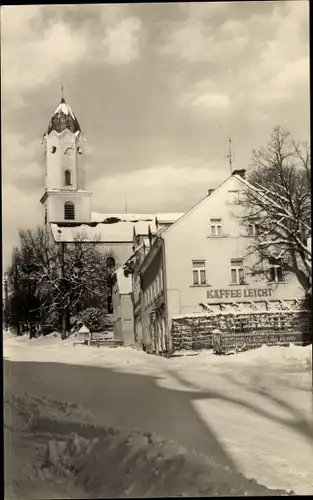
(112, 462)
(124, 463)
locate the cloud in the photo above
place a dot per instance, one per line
(204, 96)
(120, 45)
(157, 89)
(22, 161)
(281, 69)
(203, 10)
(198, 39)
(29, 60)
(159, 188)
(256, 64)
(18, 211)
(32, 56)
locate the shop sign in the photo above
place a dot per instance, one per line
(239, 293)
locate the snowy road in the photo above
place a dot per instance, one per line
(253, 410)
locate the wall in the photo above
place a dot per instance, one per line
(127, 320)
(120, 251)
(123, 316)
(66, 157)
(63, 158)
(117, 311)
(152, 300)
(81, 200)
(189, 239)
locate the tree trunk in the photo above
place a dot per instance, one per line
(63, 325)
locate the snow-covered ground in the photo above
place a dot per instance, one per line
(258, 403)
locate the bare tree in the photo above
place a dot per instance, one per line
(277, 207)
(66, 277)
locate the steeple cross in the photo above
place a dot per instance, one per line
(62, 89)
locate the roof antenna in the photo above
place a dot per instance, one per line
(229, 156)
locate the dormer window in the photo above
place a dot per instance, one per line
(216, 228)
(68, 178)
(69, 210)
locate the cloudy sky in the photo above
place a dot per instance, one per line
(157, 88)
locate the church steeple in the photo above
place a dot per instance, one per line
(65, 197)
(64, 118)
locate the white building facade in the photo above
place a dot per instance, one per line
(202, 260)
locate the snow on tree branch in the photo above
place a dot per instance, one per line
(277, 197)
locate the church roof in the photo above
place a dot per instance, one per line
(121, 232)
(63, 118)
(161, 217)
(110, 228)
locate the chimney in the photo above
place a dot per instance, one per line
(241, 173)
(210, 191)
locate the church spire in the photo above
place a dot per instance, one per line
(63, 118)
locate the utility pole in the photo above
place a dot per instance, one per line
(229, 155)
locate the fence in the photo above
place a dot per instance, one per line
(251, 329)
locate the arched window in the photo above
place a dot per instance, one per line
(68, 178)
(69, 210)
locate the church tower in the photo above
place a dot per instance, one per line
(65, 198)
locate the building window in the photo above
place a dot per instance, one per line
(198, 272)
(237, 272)
(253, 229)
(69, 210)
(68, 178)
(276, 270)
(216, 227)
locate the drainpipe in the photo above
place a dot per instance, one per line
(167, 329)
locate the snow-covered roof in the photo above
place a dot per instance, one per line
(120, 232)
(124, 283)
(163, 218)
(95, 216)
(235, 312)
(115, 230)
(63, 118)
(84, 329)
